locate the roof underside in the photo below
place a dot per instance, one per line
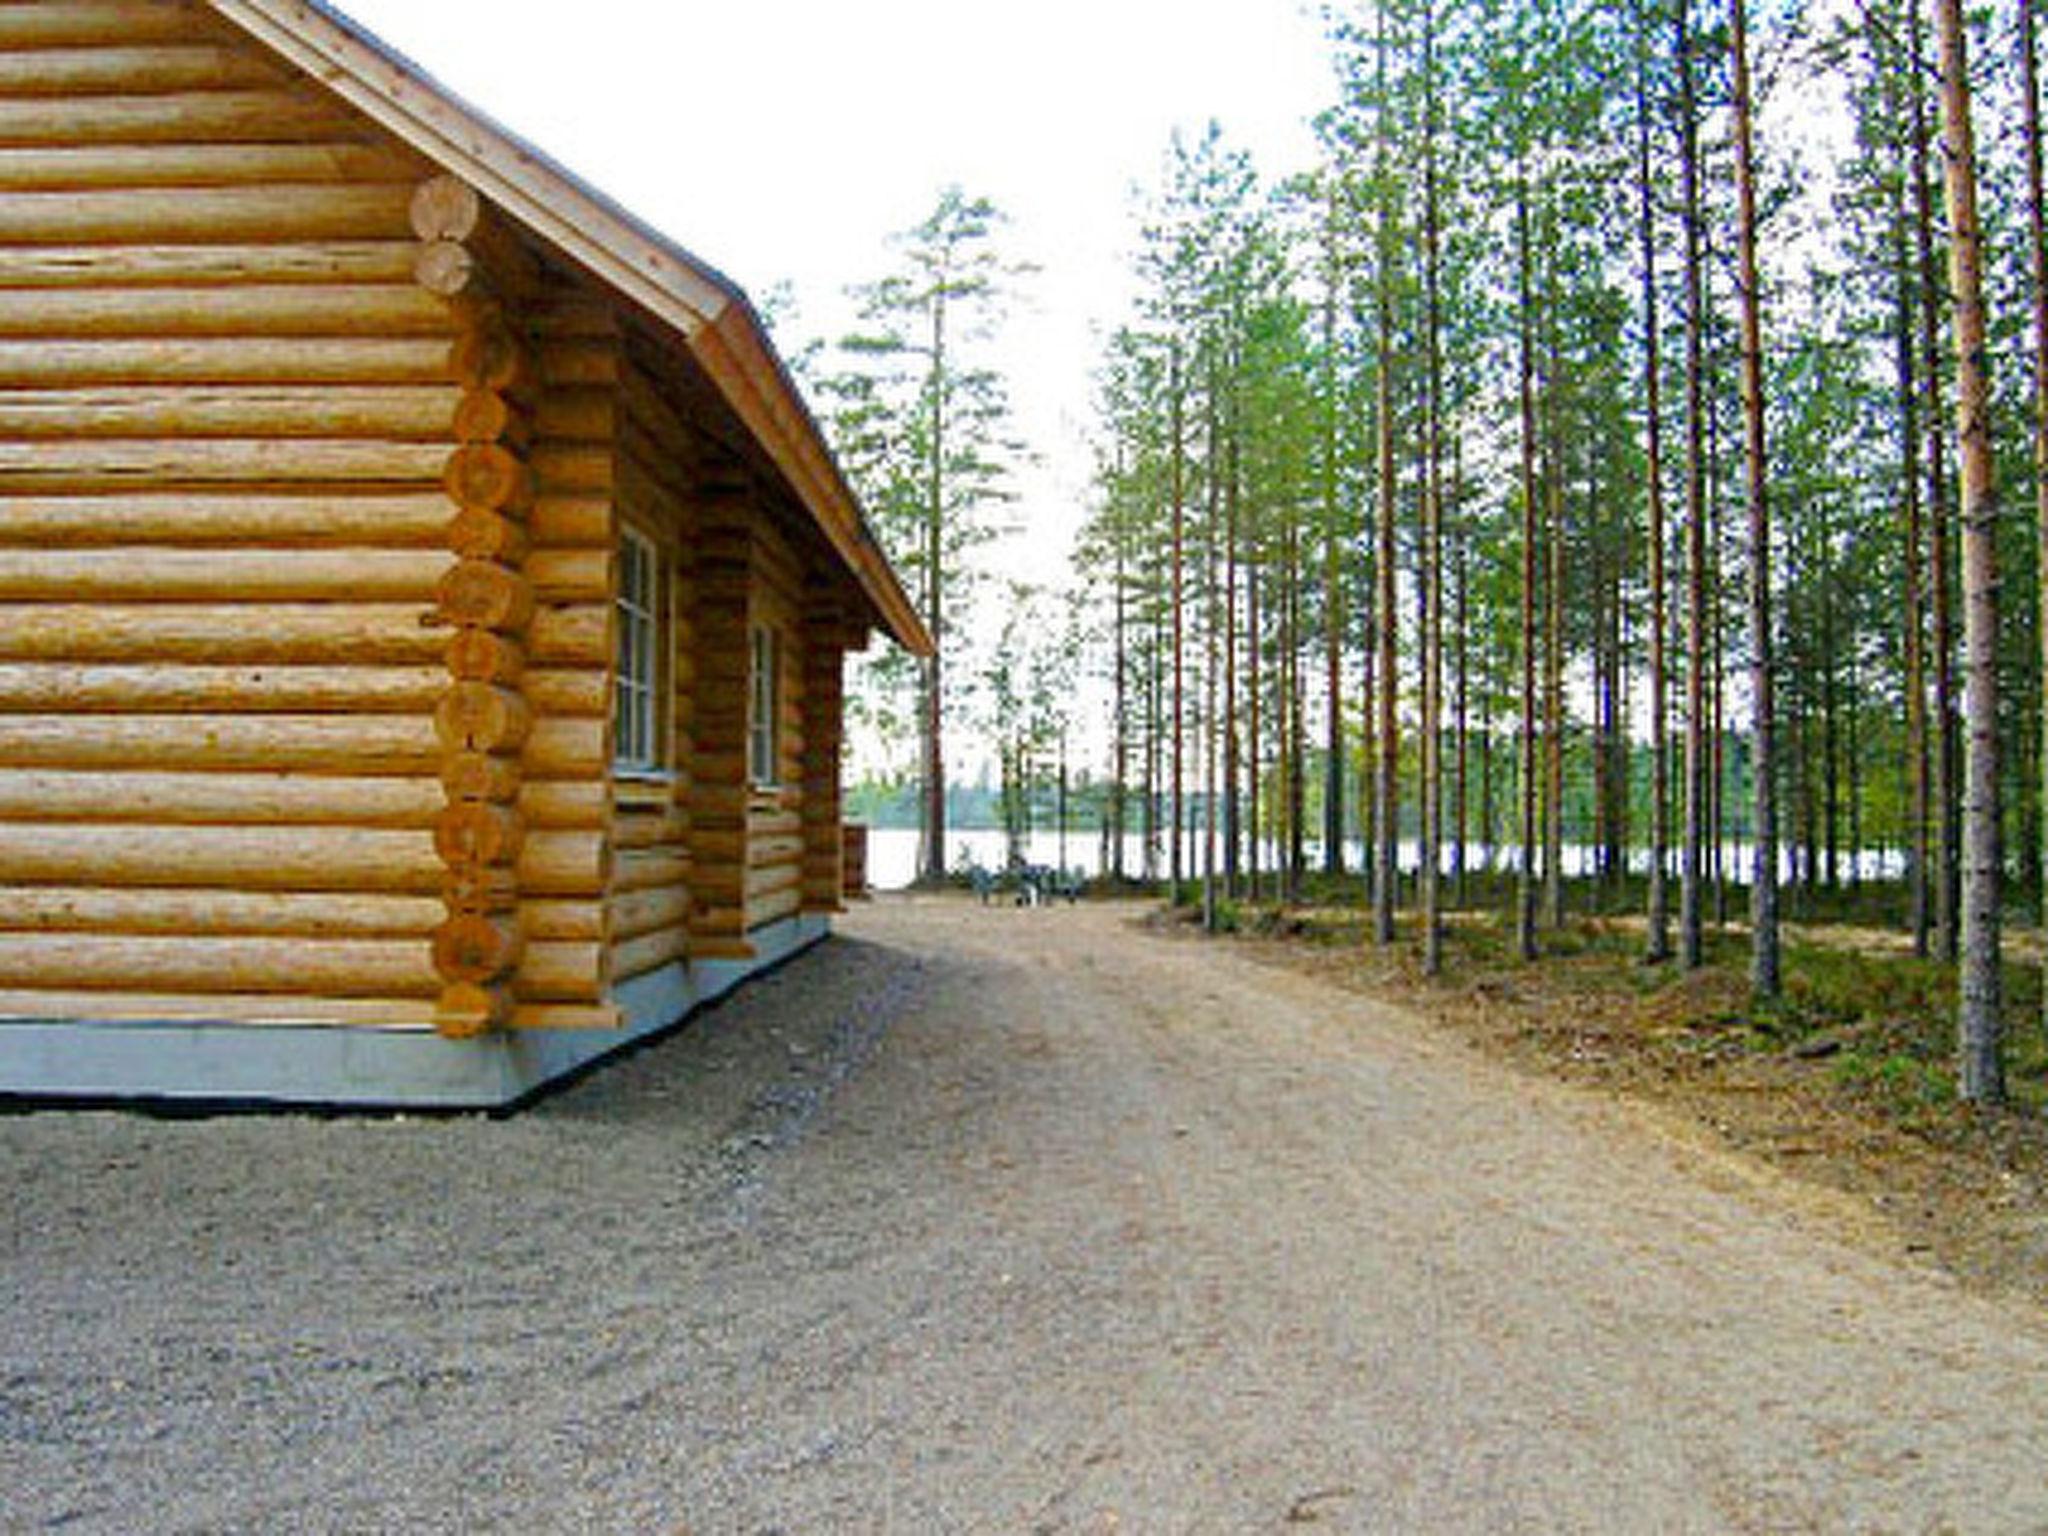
(706, 312)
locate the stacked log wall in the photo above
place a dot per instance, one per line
(650, 902)
(225, 413)
(720, 797)
(775, 817)
(567, 874)
(824, 639)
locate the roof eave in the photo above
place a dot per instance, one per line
(709, 312)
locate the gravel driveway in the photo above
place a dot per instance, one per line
(987, 1219)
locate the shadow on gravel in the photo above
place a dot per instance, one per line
(765, 1059)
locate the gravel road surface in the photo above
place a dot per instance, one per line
(988, 1219)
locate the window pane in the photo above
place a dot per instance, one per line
(636, 695)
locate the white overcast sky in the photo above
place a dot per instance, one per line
(783, 141)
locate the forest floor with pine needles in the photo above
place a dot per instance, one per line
(1846, 1082)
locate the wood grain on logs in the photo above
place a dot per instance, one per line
(211, 576)
(573, 467)
(280, 914)
(561, 970)
(568, 748)
(225, 360)
(178, 117)
(246, 309)
(314, 634)
(159, 66)
(284, 1009)
(74, 167)
(62, 688)
(648, 952)
(567, 1016)
(553, 919)
(311, 261)
(572, 362)
(635, 913)
(401, 412)
(569, 691)
(73, 464)
(374, 744)
(175, 215)
(381, 968)
(563, 864)
(564, 803)
(244, 858)
(570, 575)
(92, 21)
(137, 794)
(571, 634)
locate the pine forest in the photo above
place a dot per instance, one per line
(1610, 481)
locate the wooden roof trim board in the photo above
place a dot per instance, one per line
(708, 311)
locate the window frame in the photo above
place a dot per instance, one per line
(764, 706)
(639, 661)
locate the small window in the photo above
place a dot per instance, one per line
(636, 699)
(763, 699)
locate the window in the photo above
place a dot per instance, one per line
(763, 698)
(636, 697)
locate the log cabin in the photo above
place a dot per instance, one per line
(423, 591)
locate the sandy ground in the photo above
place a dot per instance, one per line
(988, 1219)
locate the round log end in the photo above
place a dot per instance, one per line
(477, 832)
(485, 595)
(474, 950)
(468, 1009)
(446, 208)
(488, 477)
(482, 717)
(481, 656)
(479, 776)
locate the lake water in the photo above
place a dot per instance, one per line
(892, 856)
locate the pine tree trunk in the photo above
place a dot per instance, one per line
(1553, 629)
(1177, 607)
(1386, 872)
(934, 841)
(1432, 531)
(1692, 873)
(1461, 854)
(1912, 619)
(2037, 252)
(1764, 964)
(1657, 900)
(1657, 937)
(1525, 878)
(1296, 748)
(1224, 465)
(1333, 589)
(1943, 812)
(1120, 750)
(1979, 1024)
